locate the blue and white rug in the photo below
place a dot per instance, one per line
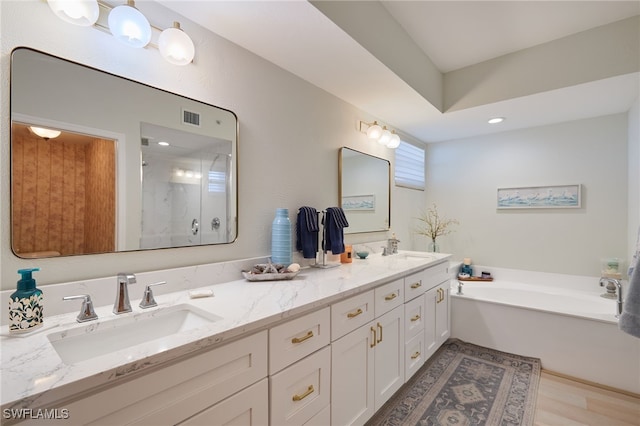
(464, 384)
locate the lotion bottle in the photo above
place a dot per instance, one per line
(25, 305)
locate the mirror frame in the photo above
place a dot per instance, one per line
(234, 202)
(341, 185)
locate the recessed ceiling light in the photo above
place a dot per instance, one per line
(496, 120)
(163, 143)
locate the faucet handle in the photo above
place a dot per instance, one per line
(148, 300)
(86, 310)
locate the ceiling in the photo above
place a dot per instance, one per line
(296, 36)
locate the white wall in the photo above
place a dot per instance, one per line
(290, 134)
(463, 176)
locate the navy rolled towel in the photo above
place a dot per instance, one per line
(307, 232)
(336, 221)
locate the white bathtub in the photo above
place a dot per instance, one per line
(572, 331)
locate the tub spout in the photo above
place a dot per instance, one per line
(618, 286)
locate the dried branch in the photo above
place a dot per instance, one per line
(433, 225)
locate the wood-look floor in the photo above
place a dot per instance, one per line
(564, 402)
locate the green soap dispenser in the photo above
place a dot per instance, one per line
(25, 306)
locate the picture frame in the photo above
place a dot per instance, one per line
(540, 197)
(359, 202)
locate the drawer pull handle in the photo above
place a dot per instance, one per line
(416, 318)
(308, 392)
(354, 314)
(373, 341)
(416, 285)
(416, 355)
(390, 296)
(379, 328)
(309, 335)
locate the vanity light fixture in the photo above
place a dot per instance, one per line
(495, 120)
(129, 25)
(176, 46)
(384, 136)
(78, 12)
(44, 133)
(126, 23)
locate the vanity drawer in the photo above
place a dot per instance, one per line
(352, 313)
(174, 393)
(414, 285)
(414, 317)
(301, 390)
(298, 338)
(388, 296)
(415, 354)
(436, 275)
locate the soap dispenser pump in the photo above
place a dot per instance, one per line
(25, 305)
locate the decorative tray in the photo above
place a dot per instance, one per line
(475, 279)
(250, 276)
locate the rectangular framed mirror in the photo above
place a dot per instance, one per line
(365, 191)
(127, 167)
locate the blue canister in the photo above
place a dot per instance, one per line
(281, 238)
(25, 304)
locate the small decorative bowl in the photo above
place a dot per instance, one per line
(362, 254)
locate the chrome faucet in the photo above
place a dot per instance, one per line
(122, 304)
(618, 286)
(392, 245)
(459, 288)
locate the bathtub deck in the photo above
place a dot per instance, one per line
(570, 403)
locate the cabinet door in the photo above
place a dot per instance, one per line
(430, 340)
(389, 355)
(443, 319)
(249, 407)
(352, 381)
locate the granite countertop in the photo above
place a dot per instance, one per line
(34, 375)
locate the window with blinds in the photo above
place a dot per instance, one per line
(409, 166)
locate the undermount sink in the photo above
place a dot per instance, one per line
(104, 337)
(417, 255)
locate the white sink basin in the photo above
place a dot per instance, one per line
(104, 337)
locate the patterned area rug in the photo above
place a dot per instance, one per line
(464, 384)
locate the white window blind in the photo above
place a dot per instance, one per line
(409, 166)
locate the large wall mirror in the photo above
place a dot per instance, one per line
(365, 186)
(126, 167)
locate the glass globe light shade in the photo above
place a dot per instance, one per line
(129, 25)
(385, 138)
(78, 12)
(176, 46)
(394, 142)
(45, 133)
(374, 131)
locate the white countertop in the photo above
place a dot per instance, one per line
(34, 375)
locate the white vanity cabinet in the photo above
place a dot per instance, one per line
(300, 369)
(367, 360)
(218, 380)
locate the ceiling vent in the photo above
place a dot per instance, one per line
(190, 118)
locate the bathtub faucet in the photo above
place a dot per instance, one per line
(618, 285)
(459, 288)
